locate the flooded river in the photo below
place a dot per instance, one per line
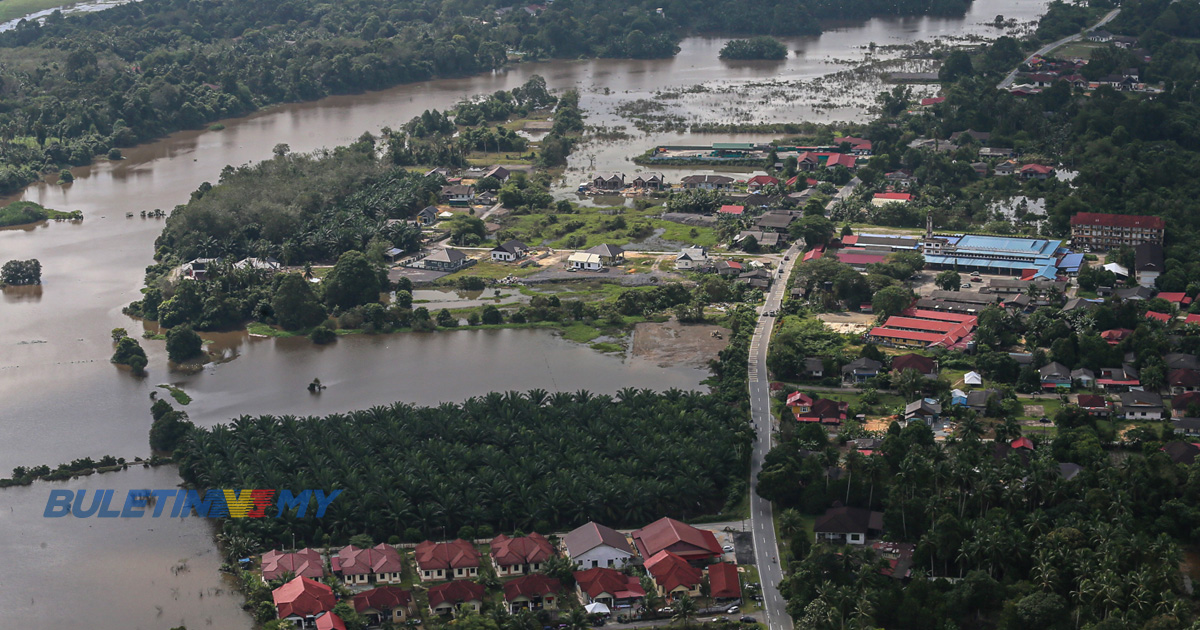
(61, 399)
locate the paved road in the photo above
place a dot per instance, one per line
(766, 548)
(1008, 80)
(843, 194)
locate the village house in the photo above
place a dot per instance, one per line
(1182, 452)
(583, 261)
(1083, 377)
(595, 545)
(728, 268)
(1036, 171)
(445, 260)
(427, 216)
(673, 576)
(978, 400)
(757, 278)
(858, 146)
(814, 367)
(758, 182)
(302, 599)
(381, 564)
(1094, 404)
(884, 198)
(731, 210)
(384, 603)
(650, 181)
(609, 587)
(981, 168)
(304, 563)
(1007, 167)
(995, 152)
(440, 171)
(1181, 361)
(1055, 375)
(1186, 426)
(498, 173)
(723, 582)
(1181, 403)
(445, 599)
(777, 222)
(924, 365)
(861, 369)
(708, 182)
(1148, 263)
(521, 555)
(609, 254)
(196, 269)
(927, 410)
(691, 258)
(510, 251)
(1141, 406)
(847, 525)
(1119, 379)
(690, 543)
(609, 181)
(532, 592)
(454, 560)
(458, 195)
(769, 239)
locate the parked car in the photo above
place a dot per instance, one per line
(966, 285)
(732, 610)
(727, 548)
(748, 619)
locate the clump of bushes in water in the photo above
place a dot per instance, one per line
(754, 48)
(169, 427)
(128, 352)
(21, 272)
(26, 475)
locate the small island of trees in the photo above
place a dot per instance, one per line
(754, 48)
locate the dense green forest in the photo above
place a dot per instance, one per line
(535, 461)
(75, 87)
(754, 48)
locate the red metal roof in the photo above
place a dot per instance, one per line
(1118, 220)
(723, 580)
(894, 196)
(921, 313)
(1023, 442)
(731, 210)
(1192, 319)
(302, 597)
(850, 239)
(533, 548)
(305, 563)
(1162, 317)
(671, 571)
(933, 100)
(531, 585)
(681, 538)
(762, 180)
(929, 325)
(330, 621)
(600, 580)
(456, 554)
(852, 258)
(382, 599)
(905, 334)
(1175, 298)
(455, 592)
(378, 559)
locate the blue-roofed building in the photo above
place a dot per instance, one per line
(1071, 263)
(990, 254)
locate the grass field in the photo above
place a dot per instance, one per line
(1075, 49)
(13, 9)
(620, 227)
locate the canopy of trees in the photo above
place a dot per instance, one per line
(510, 461)
(754, 48)
(21, 272)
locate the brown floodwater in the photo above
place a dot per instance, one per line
(60, 399)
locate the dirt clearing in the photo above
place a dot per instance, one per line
(672, 343)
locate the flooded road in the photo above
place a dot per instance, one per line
(61, 399)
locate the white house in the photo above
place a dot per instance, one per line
(595, 545)
(510, 251)
(691, 258)
(584, 261)
(1141, 406)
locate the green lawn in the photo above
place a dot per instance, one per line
(1075, 49)
(581, 333)
(1049, 405)
(595, 227)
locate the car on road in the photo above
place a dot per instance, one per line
(732, 610)
(966, 285)
(727, 548)
(748, 619)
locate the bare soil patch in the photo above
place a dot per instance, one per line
(672, 343)
(847, 323)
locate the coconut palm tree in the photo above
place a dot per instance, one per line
(685, 610)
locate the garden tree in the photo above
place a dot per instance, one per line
(129, 352)
(814, 230)
(696, 201)
(796, 339)
(352, 282)
(685, 610)
(466, 230)
(295, 305)
(349, 616)
(750, 244)
(445, 319)
(948, 280)
(183, 344)
(910, 383)
(487, 184)
(321, 335)
(891, 300)
(957, 64)
(492, 315)
(21, 272)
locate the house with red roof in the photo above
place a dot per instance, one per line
(1116, 335)
(444, 599)
(668, 534)
(1021, 448)
(1106, 231)
(329, 621)
(858, 146)
(673, 576)
(841, 159)
(927, 366)
(734, 210)
(385, 602)
(302, 599)
(1158, 317)
(532, 592)
(1094, 404)
(1181, 402)
(457, 559)
(824, 411)
(758, 182)
(884, 198)
(1183, 380)
(1036, 171)
(609, 587)
(521, 555)
(799, 402)
(1179, 298)
(933, 100)
(304, 563)
(380, 563)
(723, 581)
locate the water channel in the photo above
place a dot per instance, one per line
(61, 399)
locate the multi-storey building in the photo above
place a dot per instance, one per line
(1106, 231)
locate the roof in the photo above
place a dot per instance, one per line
(604, 250)
(920, 363)
(922, 407)
(533, 548)
(584, 258)
(456, 554)
(378, 559)
(302, 597)
(1181, 452)
(972, 378)
(1175, 297)
(604, 580)
(840, 159)
(1119, 220)
(707, 179)
(455, 593)
(681, 538)
(862, 363)
(933, 100)
(1148, 257)
(330, 621)
(1186, 424)
(775, 220)
(587, 537)
(894, 196)
(848, 520)
(671, 571)
(1140, 399)
(531, 585)
(762, 180)
(1054, 369)
(1068, 471)
(304, 563)
(383, 598)
(723, 581)
(512, 247)
(1158, 317)
(853, 258)
(1092, 401)
(731, 210)
(940, 315)
(1022, 442)
(446, 255)
(979, 398)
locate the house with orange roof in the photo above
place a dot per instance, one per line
(609, 587)
(302, 599)
(380, 563)
(673, 576)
